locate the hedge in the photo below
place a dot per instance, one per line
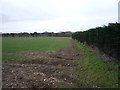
(106, 38)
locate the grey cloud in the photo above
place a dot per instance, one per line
(38, 15)
(13, 13)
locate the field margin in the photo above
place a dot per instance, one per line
(93, 71)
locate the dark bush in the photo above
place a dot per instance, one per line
(106, 38)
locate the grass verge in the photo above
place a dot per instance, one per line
(93, 71)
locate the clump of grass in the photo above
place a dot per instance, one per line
(12, 57)
(66, 86)
(93, 71)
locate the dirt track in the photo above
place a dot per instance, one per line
(45, 69)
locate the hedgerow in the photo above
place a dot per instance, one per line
(106, 38)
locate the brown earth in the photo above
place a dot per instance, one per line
(44, 69)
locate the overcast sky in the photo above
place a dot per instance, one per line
(56, 15)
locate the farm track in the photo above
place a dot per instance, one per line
(45, 69)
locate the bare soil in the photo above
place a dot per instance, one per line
(44, 69)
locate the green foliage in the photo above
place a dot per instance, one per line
(106, 38)
(93, 71)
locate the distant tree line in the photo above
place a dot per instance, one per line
(106, 38)
(35, 34)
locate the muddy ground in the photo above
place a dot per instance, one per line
(44, 69)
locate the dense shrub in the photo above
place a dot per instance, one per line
(106, 38)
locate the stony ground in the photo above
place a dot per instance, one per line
(44, 69)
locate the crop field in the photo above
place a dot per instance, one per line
(12, 46)
(33, 43)
(38, 62)
(54, 62)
